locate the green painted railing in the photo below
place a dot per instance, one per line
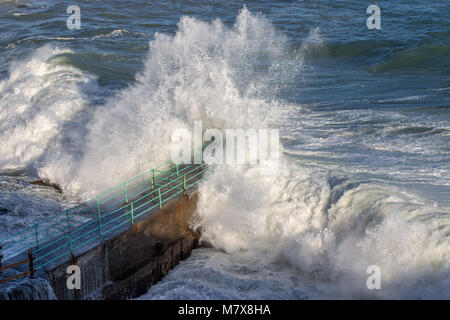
(74, 228)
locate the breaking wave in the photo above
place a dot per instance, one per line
(328, 229)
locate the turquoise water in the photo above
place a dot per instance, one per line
(364, 117)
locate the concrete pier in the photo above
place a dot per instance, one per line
(128, 264)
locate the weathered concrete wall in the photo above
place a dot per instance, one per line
(130, 263)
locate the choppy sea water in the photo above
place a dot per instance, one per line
(364, 117)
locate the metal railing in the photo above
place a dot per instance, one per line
(72, 229)
(17, 264)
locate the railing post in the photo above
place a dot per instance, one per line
(30, 259)
(125, 192)
(160, 202)
(68, 232)
(99, 219)
(132, 213)
(36, 234)
(153, 178)
(68, 220)
(184, 184)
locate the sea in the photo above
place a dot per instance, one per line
(363, 177)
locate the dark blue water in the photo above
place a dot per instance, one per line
(364, 118)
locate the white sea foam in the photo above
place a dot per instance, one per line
(114, 33)
(37, 99)
(330, 233)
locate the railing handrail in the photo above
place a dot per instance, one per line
(20, 263)
(126, 213)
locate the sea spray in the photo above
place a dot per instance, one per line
(37, 99)
(205, 71)
(328, 231)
